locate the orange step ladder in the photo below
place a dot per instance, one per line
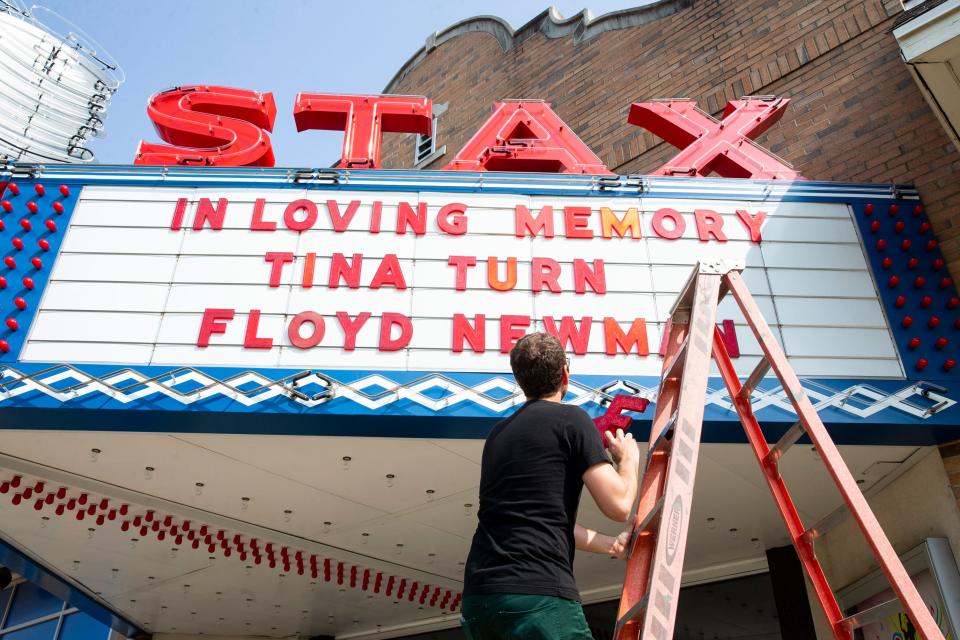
(648, 604)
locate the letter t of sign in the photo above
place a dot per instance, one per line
(363, 120)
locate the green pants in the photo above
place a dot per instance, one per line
(519, 617)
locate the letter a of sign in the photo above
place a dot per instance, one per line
(210, 126)
(708, 146)
(363, 120)
(526, 136)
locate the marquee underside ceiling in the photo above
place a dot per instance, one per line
(416, 525)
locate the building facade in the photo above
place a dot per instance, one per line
(247, 402)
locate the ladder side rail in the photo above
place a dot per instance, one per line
(660, 615)
(886, 556)
(778, 489)
(643, 545)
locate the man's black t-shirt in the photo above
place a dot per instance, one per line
(531, 477)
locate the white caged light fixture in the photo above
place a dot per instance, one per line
(55, 86)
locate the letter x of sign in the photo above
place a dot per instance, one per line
(707, 146)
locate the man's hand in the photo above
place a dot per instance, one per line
(623, 448)
(621, 544)
(590, 540)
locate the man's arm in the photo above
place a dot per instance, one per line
(594, 542)
(615, 490)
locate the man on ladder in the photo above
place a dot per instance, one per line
(518, 582)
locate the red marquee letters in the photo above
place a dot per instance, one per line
(226, 127)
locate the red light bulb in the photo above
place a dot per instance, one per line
(57, 208)
(44, 244)
(919, 281)
(17, 243)
(875, 226)
(949, 364)
(900, 301)
(938, 264)
(893, 281)
(933, 322)
(922, 364)
(39, 189)
(912, 263)
(918, 210)
(51, 225)
(900, 226)
(881, 244)
(894, 210)
(65, 191)
(20, 303)
(914, 343)
(26, 225)
(13, 188)
(37, 263)
(7, 206)
(926, 301)
(12, 324)
(868, 209)
(906, 244)
(906, 322)
(941, 343)
(27, 282)
(32, 207)
(945, 282)
(931, 245)
(953, 303)
(4, 346)
(887, 263)
(924, 227)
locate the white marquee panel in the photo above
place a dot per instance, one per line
(809, 277)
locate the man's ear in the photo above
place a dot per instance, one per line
(566, 377)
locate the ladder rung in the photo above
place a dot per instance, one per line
(789, 439)
(650, 518)
(631, 614)
(676, 362)
(877, 612)
(761, 370)
(666, 434)
(826, 524)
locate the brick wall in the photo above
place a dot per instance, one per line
(856, 114)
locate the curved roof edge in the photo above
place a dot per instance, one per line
(550, 23)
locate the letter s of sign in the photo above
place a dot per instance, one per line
(209, 125)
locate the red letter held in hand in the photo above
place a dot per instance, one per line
(210, 126)
(614, 419)
(526, 136)
(363, 120)
(708, 146)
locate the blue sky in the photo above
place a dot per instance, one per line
(282, 46)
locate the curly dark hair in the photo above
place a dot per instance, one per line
(537, 361)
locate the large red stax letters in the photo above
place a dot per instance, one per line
(363, 120)
(526, 136)
(226, 127)
(725, 148)
(208, 125)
